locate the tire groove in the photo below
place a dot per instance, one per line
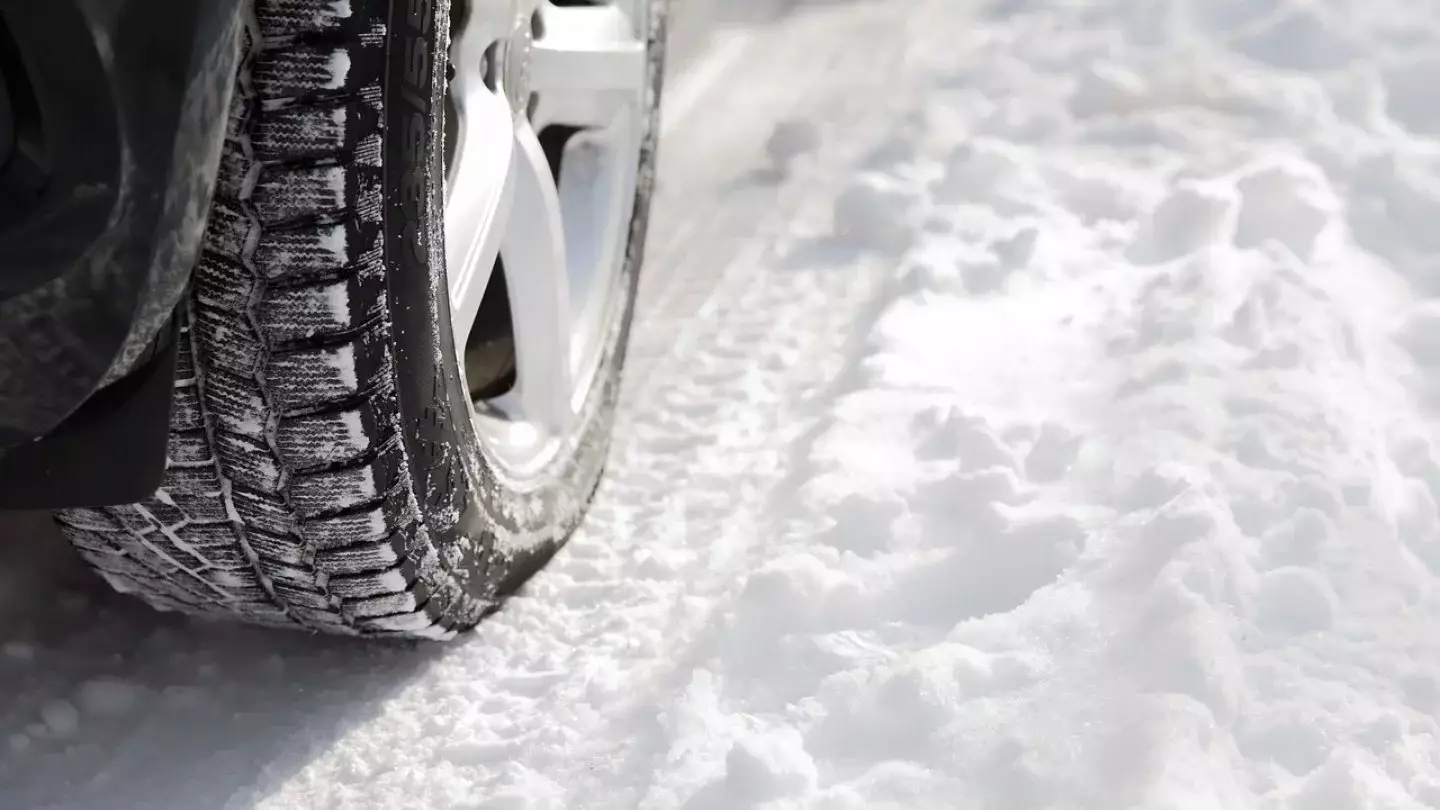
(253, 34)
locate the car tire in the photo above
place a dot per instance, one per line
(324, 472)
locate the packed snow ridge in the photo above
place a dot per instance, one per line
(1081, 453)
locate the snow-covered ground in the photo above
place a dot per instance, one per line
(1035, 407)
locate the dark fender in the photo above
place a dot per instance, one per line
(112, 114)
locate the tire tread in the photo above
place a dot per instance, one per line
(287, 498)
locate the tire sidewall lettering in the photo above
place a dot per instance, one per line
(415, 182)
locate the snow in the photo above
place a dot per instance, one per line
(61, 718)
(339, 69)
(17, 650)
(1066, 438)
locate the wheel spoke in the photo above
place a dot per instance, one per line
(533, 248)
(600, 182)
(477, 211)
(480, 178)
(587, 61)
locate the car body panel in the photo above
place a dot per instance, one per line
(132, 98)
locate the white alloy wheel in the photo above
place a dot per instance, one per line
(549, 105)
